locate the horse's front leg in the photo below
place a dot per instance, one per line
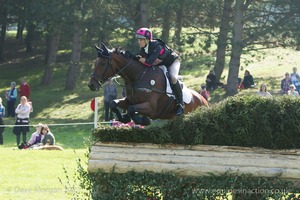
(143, 108)
(122, 103)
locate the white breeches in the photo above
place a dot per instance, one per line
(174, 71)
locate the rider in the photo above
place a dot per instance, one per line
(156, 52)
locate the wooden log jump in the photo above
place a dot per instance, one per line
(198, 160)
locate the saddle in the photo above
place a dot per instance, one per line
(186, 93)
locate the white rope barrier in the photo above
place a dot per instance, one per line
(65, 124)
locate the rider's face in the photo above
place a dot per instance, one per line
(142, 42)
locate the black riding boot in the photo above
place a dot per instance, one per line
(178, 95)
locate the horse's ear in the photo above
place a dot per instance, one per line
(99, 51)
(105, 50)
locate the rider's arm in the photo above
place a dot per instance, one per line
(153, 57)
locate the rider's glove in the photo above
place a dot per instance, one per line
(133, 55)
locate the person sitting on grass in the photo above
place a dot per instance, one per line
(292, 91)
(47, 138)
(36, 137)
(247, 81)
(263, 91)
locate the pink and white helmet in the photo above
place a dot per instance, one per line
(143, 33)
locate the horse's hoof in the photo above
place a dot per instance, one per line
(125, 118)
(145, 121)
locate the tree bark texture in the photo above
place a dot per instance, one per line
(75, 57)
(179, 21)
(143, 13)
(52, 54)
(3, 22)
(236, 51)
(222, 38)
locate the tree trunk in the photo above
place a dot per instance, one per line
(222, 39)
(166, 23)
(143, 13)
(3, 22)
(30, 37)
(75, 58)
(179, 21)
(237, 46)
(49, 67)
(19, 35)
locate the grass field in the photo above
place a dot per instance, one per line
(30, 174)
(33, 174)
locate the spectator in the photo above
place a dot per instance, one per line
(263, 91)
(47, 137)
(2, 114)
(110, 94)
(293, 91)
(204, 92)
(211, 80)
(247, 81)
(11, 97)
(285, 83)
(22, 122)
(295, 79)
(24, 89)
(36, 137)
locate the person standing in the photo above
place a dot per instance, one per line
(285, 83)
(22, 122)
(295, 77)
(2, 114)
(11, 97)
(110, 94)
(24, 89)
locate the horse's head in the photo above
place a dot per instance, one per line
(102, 68)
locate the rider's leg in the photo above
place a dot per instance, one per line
(179, 98)
(173, 71)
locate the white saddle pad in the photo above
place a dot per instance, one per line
(186, 93)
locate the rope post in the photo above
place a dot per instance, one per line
(96, 113)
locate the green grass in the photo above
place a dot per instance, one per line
(34, 175)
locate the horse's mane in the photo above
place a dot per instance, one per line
(122, 52)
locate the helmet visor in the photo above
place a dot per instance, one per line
(137, 36)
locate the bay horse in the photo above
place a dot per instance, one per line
(146, 95)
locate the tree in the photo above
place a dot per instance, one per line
(237, 46)
(222, 38)
(53, 42)
(3, 23)
(143, 13)
(77, 14)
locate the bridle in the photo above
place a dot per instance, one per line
(101, 80)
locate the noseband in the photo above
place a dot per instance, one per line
(102, 80)
(97, 78)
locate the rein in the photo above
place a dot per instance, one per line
(108, 65)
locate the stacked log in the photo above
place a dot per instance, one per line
(198, 160)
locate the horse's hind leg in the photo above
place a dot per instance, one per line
(135, 110)
(124, 118)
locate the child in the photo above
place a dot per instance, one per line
(204, 92)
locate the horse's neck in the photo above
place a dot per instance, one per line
(129, 70)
